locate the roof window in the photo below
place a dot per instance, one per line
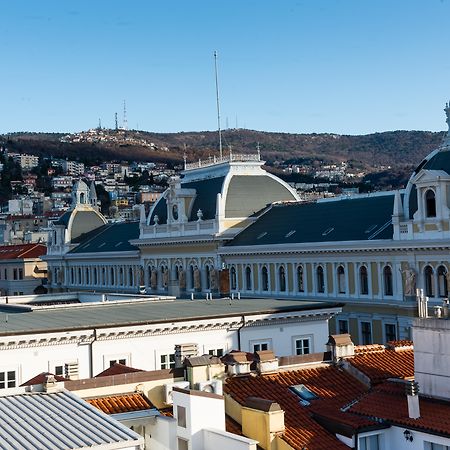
(102, 244)
(119, 243)
(261, 235)
(327, 231)
(290, 233)
(371, 228)
(304, 393)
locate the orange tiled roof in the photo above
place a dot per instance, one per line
(334, 386)
(114, 404)
(380, 363)
(22, 251)
(117, 369)
(388, 402)
(232, 426)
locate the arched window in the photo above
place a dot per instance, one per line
(121, 276)
(387, 280)
(300, 281)
(264, 279)
(233, 280)
(208, 277)
(341, 279)
(113, 281)
(428, 274)
(95, 276)
(442, 281)
(149, 273)
(130, 276)
(363, 281)
(430, 203)
(86, 271)
(248, 278)
(82, 198)
(320, 279)
(192, 270)
(282, 278)
(72, 275)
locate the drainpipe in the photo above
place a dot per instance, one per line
(239, 332)
(91, 355)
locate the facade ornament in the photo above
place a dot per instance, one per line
(155, 219)
(409, 281)
(200, 214)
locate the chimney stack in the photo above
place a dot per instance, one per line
(412, 394)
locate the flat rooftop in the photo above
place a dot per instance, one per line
(24, 319)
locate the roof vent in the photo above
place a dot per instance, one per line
(183, 351)
(341, 346)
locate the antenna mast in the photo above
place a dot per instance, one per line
(125, 121)
(218, 104)
(117, 124)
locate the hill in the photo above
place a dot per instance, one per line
(394, 148)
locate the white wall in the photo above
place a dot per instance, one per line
(222, 440)
(394, 439)
(163, 432)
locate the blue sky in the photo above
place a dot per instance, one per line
(349, 66)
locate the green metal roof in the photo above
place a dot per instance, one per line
(105, 315)
(64, 219)
(352, 219)
(108, 238)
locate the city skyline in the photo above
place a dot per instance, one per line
(327, 66)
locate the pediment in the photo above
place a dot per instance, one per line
(425, 177)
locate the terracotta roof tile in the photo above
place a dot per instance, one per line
(117, 369)
(114, 404)
(382, 363)
(232, 426)
(388, 402)
(22, 251)
(41, 378)
(333, 386)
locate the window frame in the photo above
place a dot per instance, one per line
(309, 338)
(267, 343)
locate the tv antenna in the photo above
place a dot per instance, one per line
(218, 104)
(125, 121)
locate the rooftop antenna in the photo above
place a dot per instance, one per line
(125, 121)
(117, 124)
(99, 124)
(218, 104)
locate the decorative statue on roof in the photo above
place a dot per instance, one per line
(153, 279)
(197, 284)
(409, 281)
(182, 279)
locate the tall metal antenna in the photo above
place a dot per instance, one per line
(117, 123)
(99, 124)
(218, 104)
(125, 121)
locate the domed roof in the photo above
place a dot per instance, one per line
(438, 159)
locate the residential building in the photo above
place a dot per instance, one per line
(22, 271)
(74, 168)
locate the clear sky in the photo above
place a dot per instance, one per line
(349, 66)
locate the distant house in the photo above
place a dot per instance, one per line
(22, 270)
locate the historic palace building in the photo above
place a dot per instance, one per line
(228, 226)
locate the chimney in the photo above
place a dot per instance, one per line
(412, 394)
(340, 346)
(262, 420)
(237, 363)
(50, 384)
(266, 361)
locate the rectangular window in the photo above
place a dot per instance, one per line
(260, 346)
(14, 274)
(181, 416)
(6, 274)
(433, 446)
(59, 370)
(303, 346)
(216, 352)
(369, 442)
(167, 361)
(7, 379)
(122, 361)
(20, 274)
(366, 333)
(183, 444)
(343, 326)
(390, 331)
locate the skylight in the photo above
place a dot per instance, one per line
(371, 228)
(290, 233)
(327, 231)
(262, 235)
(304, 393)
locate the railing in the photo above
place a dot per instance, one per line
(212, 160)
(180, 229)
